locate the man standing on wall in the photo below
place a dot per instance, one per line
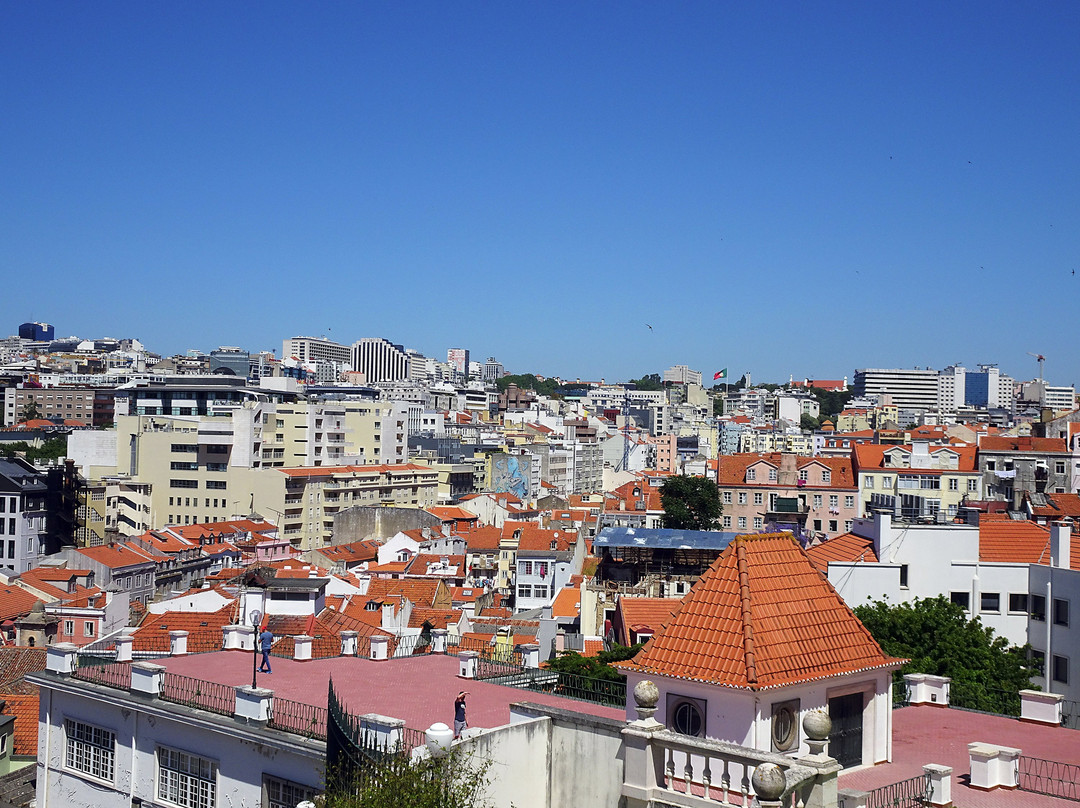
(459, 713)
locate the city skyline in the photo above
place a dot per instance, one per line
(792, 190)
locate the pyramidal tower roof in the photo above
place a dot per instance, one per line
(761, 616)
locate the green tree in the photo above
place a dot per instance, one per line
(393, 780)
(651, 381)
(50, 449)
(937, 636)
(691, 503)
(594, 667)
(808, 422)
(831, 402)
(30, 412)
(527, 381)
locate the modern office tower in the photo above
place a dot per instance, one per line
(380, 360)
(310, 349)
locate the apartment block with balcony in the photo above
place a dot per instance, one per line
(916, 481)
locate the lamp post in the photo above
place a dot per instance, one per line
(255, 616)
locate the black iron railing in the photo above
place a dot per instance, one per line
(557, 683)
(298, 718)
(209, 696)
(111, 674)
(978, 698)
(913, 793)
(1049, 777)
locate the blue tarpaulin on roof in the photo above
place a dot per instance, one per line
(663, 538)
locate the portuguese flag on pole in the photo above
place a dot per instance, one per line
(720, 374)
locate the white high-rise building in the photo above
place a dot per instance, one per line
(380, 360)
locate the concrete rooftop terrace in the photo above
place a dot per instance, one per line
(927, 734)
(419, 689)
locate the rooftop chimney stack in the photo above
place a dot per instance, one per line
(1060, 549)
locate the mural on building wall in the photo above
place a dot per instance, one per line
(510, 474)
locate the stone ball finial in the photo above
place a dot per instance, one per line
(646, 697)
(769, 782)
(646, 694)
(817, 725)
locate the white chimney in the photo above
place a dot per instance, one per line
(1060, 540)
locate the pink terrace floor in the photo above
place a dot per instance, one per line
(940, 735)
(421, 690)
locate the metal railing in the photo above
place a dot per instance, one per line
(209, 696)
(912, 793)
(298, 718)
(1049, 777)
(980, 699)
(110, 674)
(566, 685)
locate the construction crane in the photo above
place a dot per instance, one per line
(1041, 359)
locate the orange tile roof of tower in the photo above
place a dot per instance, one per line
(761, 616)
(845, 547)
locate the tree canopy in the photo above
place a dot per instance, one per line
(831, 402)
(392, 780)
(51, 449)
(691, 503)
(594, 667)
(937, 636)
(651, 381)
(527, 381)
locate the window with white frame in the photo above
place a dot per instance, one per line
(757, 523)
(849, 501)
(526, 568)
(89, 627)
(774, 475)
(973, 485)
(280, 793)
(826, 477)
(742, 498)
(90, 750)
(868, 481)
(727, 497)
(742, 523)
(524, 591)
(540, 591)
(751, 474)
(759, 498)
(69, 628)
(804, 475)
(187, 780)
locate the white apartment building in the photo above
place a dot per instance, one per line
(914, 389)
(311, 349)
(681, 374)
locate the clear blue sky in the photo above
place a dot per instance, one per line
(790, 188)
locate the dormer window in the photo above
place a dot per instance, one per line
(751, 474)
(804, 475)
(826, 476)
(773, 475)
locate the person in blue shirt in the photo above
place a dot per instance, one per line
(266, 639)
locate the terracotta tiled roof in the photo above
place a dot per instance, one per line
(538, 539)
(116, 556)
(15, 602)
(641, 614)
(452, 513)
(1005, 443)
(24, 706)
(353, 552)
(567, 603)
(483, 538)
(1012, 542)
(761, 616)
(845, 547)
(204, 629)
(425, 592)
(438, 618)
(15, 663)
(870, 456)
(420, 562)
(1058, 506)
